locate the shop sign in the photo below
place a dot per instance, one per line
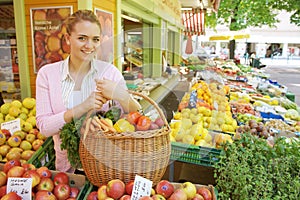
(106, 50)
(171, 6)
(47, 32)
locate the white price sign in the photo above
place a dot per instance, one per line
(22, 186)
(141, 187)
(12, 126)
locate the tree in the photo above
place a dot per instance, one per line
(241, 14)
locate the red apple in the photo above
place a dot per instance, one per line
(34, 175)
(92, 196)
(6, 133)
(28, 166)
(8, 165)
(45, 184)
(3, 178)
(205, 192)
(44, 172)
(71, 198)
(36, 144)
(115, 188)
(62, 191)
(60, 177)
(125, 197)
(74, 192)
(44, 195)
(11, 196)
(16, 171)
(178, 194)
(198, 197)
(164, 188)
(158, 197)
(129, 187)
(101, 192)
(2, 191)
(145, 198)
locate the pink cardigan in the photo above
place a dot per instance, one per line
(50, 108)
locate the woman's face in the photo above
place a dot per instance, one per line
(84, 40)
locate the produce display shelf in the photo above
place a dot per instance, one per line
(45, 155)
(193, 154)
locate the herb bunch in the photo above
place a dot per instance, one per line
(70, 137)
(250, 169)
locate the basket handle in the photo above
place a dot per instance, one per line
(160, 112)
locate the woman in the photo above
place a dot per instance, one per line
(68, 89)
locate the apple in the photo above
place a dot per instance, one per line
(44, 172)
(92, 196)
(74, 192)
(13, 155)
(158, 197)
(60, 177)
(33, 131)
(28, 166)
(164, 188)
(25, 145)
(101, 192)
(3, 191)
(8, 165)
(45, 195)
(16, 171)
(11, 196)
(27, 154)
(129, 187)
(3, 178)
(198, 197)
(125, 197)
(205, 193)
(34, 175)
(189, 188)
(37, 143)
(115, 188)
(45, 184)
(41, 136)
(2, 138)
(71, 198)
(62, 191)
(14, 141)
(178, 194)
(4, 149)
(6, 133)
(160, 122)
(30, 137)
(21, 134)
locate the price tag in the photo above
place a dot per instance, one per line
(12, 126)
(22, 186)
(141, 187)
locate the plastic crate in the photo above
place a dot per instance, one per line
(45, 155)
(194, 154)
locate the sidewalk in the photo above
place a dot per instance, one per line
(294, 62)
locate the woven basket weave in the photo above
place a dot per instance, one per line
(123, 155)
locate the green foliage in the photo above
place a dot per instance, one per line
(240, 14)
(251, 169)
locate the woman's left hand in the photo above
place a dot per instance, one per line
(109, 89)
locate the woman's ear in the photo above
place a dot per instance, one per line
(67, 38)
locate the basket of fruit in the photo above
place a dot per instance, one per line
(133, 145)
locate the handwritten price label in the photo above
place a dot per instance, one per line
(141, 187)
(22, 186)
(12, 126)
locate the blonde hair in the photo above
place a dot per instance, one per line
(78, 16)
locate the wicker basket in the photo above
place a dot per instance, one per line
(124, 155)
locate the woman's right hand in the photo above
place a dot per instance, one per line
(95, 101)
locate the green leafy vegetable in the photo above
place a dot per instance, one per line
(70, 136)
(113, 114)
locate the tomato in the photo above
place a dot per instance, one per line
(133, 117)
(143, 123)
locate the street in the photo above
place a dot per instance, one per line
(285, 72)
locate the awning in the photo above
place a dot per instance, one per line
(232, 35)
(193, 21)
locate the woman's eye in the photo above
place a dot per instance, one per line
(82, 38)
(96, 39)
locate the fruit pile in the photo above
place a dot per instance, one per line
(23, 143)
(117, 189)
(46, 184)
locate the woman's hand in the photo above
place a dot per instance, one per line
(95, 101)
(109, 89)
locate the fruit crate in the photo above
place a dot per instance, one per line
(45, 155)
(193, 154)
